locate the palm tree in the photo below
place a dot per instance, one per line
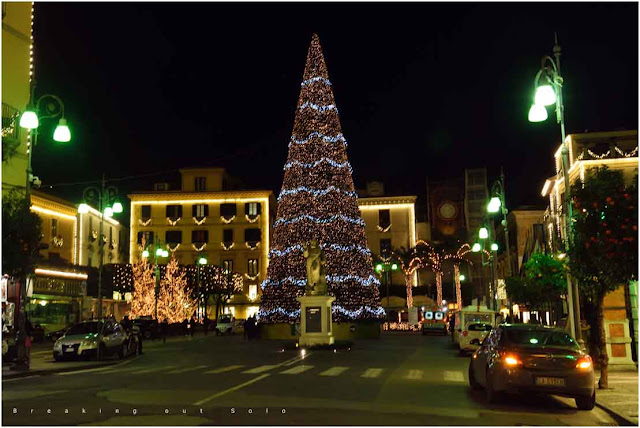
(410, 260)
(460, 256)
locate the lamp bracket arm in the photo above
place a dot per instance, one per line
(91, 194)
(58, 111)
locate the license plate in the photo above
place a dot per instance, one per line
(550, 381)
(69, 350)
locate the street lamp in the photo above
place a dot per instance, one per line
(386, 266)
(29, 120)
(201, 261)
(498, 204)
(160, 251)
(548, 91)
(104, 197)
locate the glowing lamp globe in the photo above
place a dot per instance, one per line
(159, 252)
(165, 253)
(494, 205)
(483, 233)
(202, 261)
(83, 209)
(494, 247)
(29, 120)
(394, 267)
(378, 268)
(537, 113)
(475, 248)
(462, 277)
(108, 212)
(545, 95)
(145, 253)
(62, 133)
(117, 207)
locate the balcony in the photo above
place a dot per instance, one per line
(10, 131)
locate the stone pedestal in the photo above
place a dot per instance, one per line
(315, 320)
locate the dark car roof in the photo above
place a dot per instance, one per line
(530, 327)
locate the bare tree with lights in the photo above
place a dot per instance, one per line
(175, 300)
(318, 201)
(143, 296)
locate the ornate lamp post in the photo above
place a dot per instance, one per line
(387, 267)
(106, 198)
(30, 120)
(548, 91)
(160, 251)
(201, 261)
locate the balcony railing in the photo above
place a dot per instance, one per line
(10, 128)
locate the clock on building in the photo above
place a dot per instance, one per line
(447, 210)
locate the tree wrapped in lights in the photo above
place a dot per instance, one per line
(318, 201)
(175, 302)
(410, 260)
(143, 298)
(460, 256)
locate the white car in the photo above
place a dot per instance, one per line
(83, 340)
(473, 335)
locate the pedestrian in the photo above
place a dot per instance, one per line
(28, 328)
(206, 325)
(246, 328)
(452, 326)
(126, 324)
(252, 327)
(164, 330)
(192, 325)
(185, 328)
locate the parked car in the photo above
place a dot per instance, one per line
(148, 326)
(524, 358)
(55, 335)
(84, 339)
(472, 337)
(225, 325)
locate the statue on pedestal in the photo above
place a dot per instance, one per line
(316, 269)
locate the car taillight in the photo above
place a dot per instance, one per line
(464, 333)
(584, 363)
(511, 360)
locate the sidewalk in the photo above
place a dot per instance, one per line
(622, 396)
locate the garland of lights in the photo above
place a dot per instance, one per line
(227, 221)
(456, 277)
(199, 222)
(249, 246)
(144, 223)
(200, 248)
(318, 201)
(227, 248)
(252, 220)
(174, 249)
(383, 229)
(315, 192)
(632, 153)
(325, 138)
(173, 222)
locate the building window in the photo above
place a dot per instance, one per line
(384, 218)
(253, 291)
(385, 247)
(173, 236)
(252, 209)
(54, 227)
(252, 267)
(200, 210)
(200, 184)
(227, 210)
(227, 236)
(148, 237)
(145, 212)
(227, 266)
(174, 211)
(252, 235)
(200, 236)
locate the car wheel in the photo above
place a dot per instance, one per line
(57, 357)
(492, 395)
(123, 351)
(586, 403)
(473, 383)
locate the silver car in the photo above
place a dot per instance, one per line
(84, 339)
(522, 358)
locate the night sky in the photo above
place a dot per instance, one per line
(423, 89)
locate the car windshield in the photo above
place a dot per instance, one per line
(83, 328)
(549, 338)
(477, 318)
(479, 327)
(225, 320)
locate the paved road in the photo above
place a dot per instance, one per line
(397, 380)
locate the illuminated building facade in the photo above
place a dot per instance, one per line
(17, 66)
(618, 150)
(230, 228)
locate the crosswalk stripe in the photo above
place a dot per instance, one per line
(297, 369)
(453, 376)
(157, 369)
(334, 371)
(260, 369)
(225, 369)
(186, 369)
(414, 375)
(118, 370)
(371, 373)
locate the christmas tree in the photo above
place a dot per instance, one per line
(318, 201)
(143, 299)
(175, 302)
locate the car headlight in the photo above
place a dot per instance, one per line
(88, 343)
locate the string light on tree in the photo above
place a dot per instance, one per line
(318, 201)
